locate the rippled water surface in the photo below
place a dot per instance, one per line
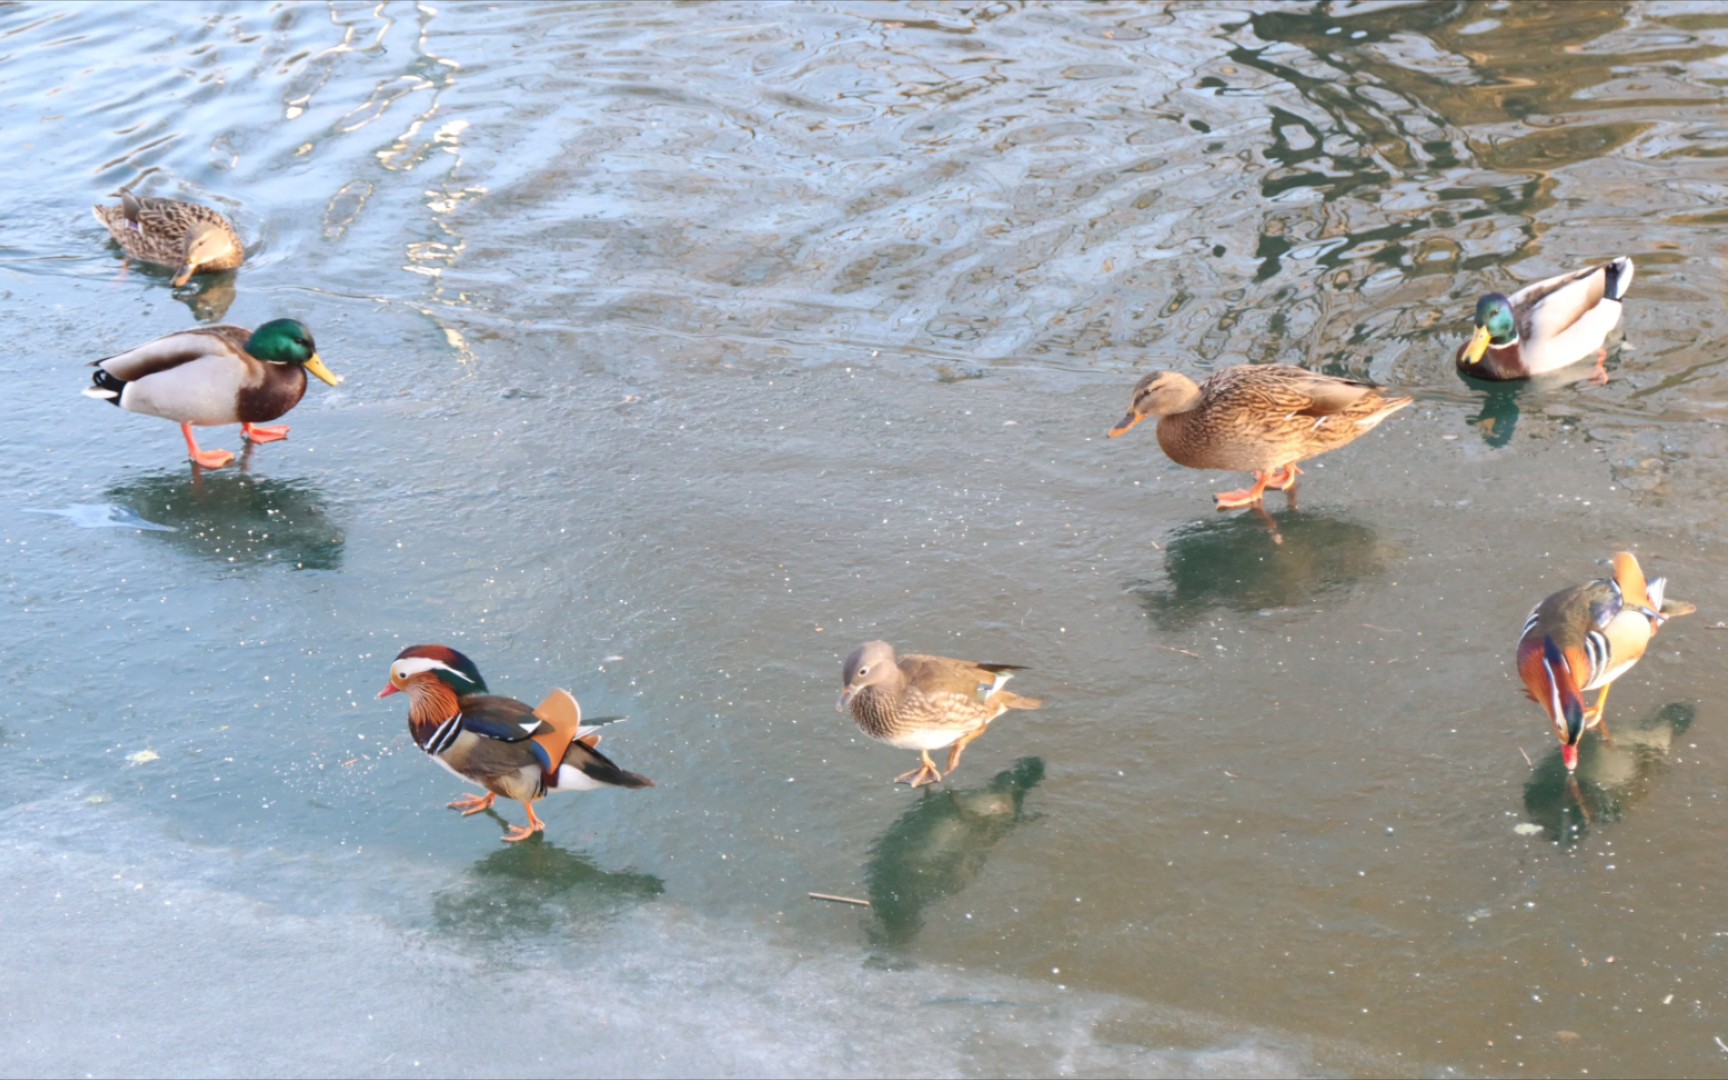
(689, 346)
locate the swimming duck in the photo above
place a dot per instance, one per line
(1259, 418)
(1585, 637)
(924, 703)
(1548, 325)
(185, 237)
(215, 375)
(497, 742)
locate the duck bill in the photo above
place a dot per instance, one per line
(185, 275)
(1569, 754)
(316, 367)
(1126, 422)
(845, 700)
(1478, 346)
(388, 690)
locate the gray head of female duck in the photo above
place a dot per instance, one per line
(871, 664)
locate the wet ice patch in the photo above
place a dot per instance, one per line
(103, 516)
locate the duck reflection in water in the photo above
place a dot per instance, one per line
(208, 297)
(938, 846)
(238, 519)
(1612, 777)
(537, 888)
(1497, 419)
(1236, 563)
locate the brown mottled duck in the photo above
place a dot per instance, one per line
(185, 237)
(1264, 419)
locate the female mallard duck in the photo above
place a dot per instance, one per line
(1549, 325)
(185, 237)
(215, 375)
(1263, 419)
(497, 742)
(924, 703)
(1585, 637)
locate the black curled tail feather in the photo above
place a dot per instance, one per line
(597, 766)
(1619, 278)
(106, 386)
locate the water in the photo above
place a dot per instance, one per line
(686, 348)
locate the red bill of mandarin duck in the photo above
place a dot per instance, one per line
(1585, 637)
(497, 742)
(1259, 418)
(1548, 325)
(184, 237)
(924, 703)
(215, 375)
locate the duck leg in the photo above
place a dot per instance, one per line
(523, 832)
(1593, 715)
(472, 804)
(960, 746)
(1243, 497)
(924, 774)
(1600, 375)
(1284, 479)
(254, 433)
(210, 459)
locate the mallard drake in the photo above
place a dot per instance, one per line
(1585, 637)
(924, 703)
(1259, 418)
(185, 237)
(215, 375)
(497, 742)
(1548, 325)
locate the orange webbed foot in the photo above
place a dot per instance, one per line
(211, 459)
(254, 433)
(519, 833)
(1241, 498)
(1284, 479)
(923, 774)
(1600, 376)
(472, 804)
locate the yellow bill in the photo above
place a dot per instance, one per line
(316, 367)
(1478, 346)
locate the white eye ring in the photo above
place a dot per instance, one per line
(863, 671)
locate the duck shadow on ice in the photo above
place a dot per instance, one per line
(537, 888)
(1254, 562)
(1612, 777)
(235, 518)
(935, 849)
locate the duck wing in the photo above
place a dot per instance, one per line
(964, 678)
(174, 350)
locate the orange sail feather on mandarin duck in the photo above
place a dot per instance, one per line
(1585, 637)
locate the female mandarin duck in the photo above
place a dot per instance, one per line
(1258, 418)
(498, 742)
(215, 375)
(185, 237)
(1585, 637)
(1548, 325)
(924, 703)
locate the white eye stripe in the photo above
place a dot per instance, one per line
(419, 665)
